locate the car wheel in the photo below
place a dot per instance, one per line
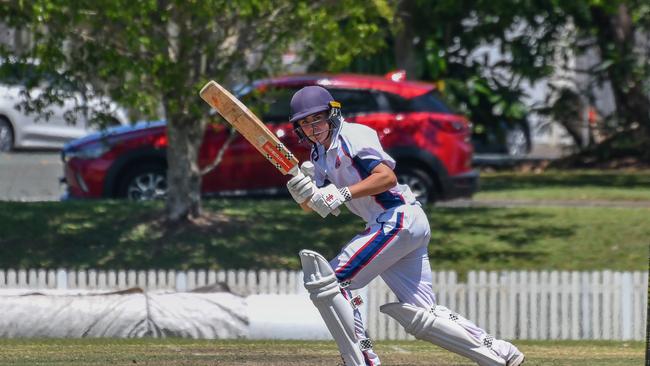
(421, 183)
(6, 136)
(516, 141)
(144, 183)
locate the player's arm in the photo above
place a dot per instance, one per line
(327, 199)
(381, 179)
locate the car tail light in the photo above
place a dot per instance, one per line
(160, 142)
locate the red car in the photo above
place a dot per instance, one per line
(430, 143)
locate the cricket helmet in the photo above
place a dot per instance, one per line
(311, 100)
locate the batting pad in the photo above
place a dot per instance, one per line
(446, 333)
(324, 292)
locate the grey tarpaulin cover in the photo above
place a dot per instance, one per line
(133, 313)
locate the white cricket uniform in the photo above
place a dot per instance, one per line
(394, 244)
(395, 241)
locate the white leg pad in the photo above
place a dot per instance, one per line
(442, 332)
(324, 291)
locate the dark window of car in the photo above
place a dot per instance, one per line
(355, 101)
(397, 103)
(273, 104)
(428, 102)
(270, 104)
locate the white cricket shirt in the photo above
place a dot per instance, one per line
(354, 152)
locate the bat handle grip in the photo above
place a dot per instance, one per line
(295, 171)
(309, 167)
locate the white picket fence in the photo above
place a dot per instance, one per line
(513, 305)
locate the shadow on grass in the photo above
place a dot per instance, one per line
(113, 234)
(246, 234)
(492, 238)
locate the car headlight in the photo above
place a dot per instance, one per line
(92, 151)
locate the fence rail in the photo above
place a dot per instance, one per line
(510, 304)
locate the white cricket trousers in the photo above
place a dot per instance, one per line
(394, 247)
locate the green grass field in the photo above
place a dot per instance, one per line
(160, 352)
(571, 186)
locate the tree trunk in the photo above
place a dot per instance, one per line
(404, 49)
(183, 190)
(632, 105)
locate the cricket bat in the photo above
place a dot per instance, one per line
(253, 130)
(249, 126)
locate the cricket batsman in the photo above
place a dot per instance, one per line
(350, 167)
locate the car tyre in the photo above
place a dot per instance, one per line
(421, 183)
(144, 183)
(6, 136)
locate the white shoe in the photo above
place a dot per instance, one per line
(508, 352)
(515, 357)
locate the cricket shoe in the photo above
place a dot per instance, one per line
(508, 351)
(515, 357)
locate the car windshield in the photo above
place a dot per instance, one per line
(428, 102)
(270, 104)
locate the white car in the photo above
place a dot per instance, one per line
(19, 129)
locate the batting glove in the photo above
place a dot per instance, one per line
(301, 187)
(326, 199)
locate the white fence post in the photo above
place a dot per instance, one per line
(51, 278)
(627, 300)
(61, 279)
(596, 297)
(111, 279)
(82, 279)
(585, 329)
(212, 277)
(640, 297)
(523, 305)
(131, 278)
(616, 306)
(564, 324)
(544, 301)
(22, 278)
(533, 320)
(512, 305)
(554, 308)
(181, 281)
(574, 291)
(607, 305)
(493, 293)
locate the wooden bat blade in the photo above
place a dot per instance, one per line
(249, 126)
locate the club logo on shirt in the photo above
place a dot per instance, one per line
(337, 163)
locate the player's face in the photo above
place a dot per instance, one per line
(316, 128)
